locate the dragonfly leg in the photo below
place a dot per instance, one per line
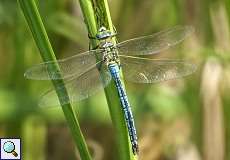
(90, 37)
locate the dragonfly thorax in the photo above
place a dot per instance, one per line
(110, 54)
(107, 45)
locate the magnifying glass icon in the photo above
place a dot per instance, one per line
(9, 147)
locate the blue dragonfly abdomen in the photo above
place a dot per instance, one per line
(115, 72)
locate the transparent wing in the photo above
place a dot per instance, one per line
(155, 43)
(78, 88)
(144, 70)
(69, 67)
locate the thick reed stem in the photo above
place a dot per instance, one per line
(40, 36)
(96, 14)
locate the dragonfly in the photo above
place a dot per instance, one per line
(86, 73)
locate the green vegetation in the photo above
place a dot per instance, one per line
(34, 21)
(94, 20)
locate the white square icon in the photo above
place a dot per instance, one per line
(10, 149)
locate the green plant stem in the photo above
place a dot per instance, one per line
(89, 18)
(95, 16)
(40, 36)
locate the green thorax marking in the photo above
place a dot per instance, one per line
(110, 53)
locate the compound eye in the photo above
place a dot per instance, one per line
(102, 29)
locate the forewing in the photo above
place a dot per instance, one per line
(68, 68)
(144, 70)
(78, 88)
(155, 43)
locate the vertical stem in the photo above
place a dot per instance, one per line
(89, 18)
(96, 14)
(40, 36)
(213, 137)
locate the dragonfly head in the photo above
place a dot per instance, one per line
(103, 34)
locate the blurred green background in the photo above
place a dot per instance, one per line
(183, 119)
